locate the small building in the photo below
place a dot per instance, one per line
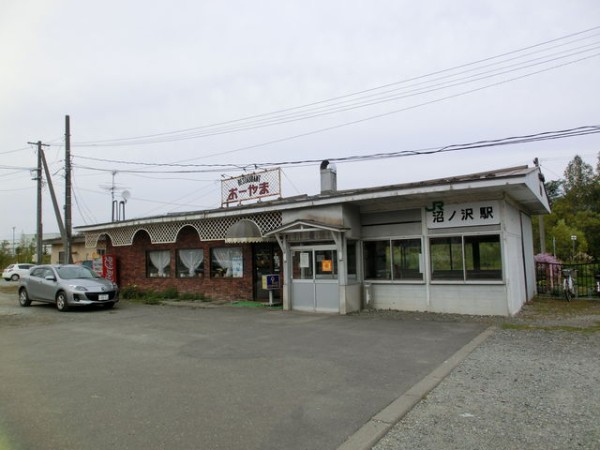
(455, 245)
(79, 252)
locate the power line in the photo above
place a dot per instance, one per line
(380, 94)
(198, 168)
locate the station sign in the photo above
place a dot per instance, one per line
(444, 215)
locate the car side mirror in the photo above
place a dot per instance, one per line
(50, 278)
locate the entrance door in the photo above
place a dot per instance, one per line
(267, 261)
(315, 279)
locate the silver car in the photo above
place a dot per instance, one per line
(67, 285)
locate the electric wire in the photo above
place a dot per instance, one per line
(346, 106)
(490, 143)
(270, 117)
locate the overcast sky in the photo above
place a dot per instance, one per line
(126, 69)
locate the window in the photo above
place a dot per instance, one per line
(466, 258)
(351, 260)
(158, 263)
(227, 262)
(190, 263)
(397, 259)
(446, 258)
(483, 260)
(406, 259)
(312, 264)
(302, 265)
(326, 264)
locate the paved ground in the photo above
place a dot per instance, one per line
(161, 377)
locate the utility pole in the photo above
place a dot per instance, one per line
(59, 219)
(68, 224)
(38, 178)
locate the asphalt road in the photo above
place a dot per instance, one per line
(165, 377)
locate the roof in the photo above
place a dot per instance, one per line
(522, 184)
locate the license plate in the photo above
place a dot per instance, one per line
(103, 297)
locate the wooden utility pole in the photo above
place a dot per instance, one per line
(39, 179)
(68, 223)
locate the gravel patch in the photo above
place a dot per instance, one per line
(519, 389)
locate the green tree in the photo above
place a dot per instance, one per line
(575, 211)
(580, 183)
(558, 238)
(6, 256)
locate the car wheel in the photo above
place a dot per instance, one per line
(15, 277)
(24, 298)
(110, 305)
(61, 302)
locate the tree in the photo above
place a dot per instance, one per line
(559, 239)
(554, 189)
(580, 186)
(6, 256)
(578, 174)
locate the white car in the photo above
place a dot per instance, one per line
(16, 271)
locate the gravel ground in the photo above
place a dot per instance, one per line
(521, 389)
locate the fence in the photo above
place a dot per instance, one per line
(549, 277)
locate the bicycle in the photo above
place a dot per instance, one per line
(568, 283)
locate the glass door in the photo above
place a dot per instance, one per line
(267, 261)
(315, 279)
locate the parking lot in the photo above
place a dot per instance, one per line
(143, 376)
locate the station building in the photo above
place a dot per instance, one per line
(455, 245)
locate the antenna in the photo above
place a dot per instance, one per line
(115, 206)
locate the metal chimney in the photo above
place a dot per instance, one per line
(328, 178)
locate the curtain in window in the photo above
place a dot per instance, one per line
(230, 260)
(224, 258)
(191, 259)
(161, 260)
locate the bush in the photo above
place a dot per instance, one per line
(132, 292)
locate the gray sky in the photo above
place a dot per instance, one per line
(123, 69)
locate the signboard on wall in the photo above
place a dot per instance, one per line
(252, 186)
(443, 215)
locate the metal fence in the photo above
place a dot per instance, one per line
(549, 277)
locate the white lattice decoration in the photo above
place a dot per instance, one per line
(166, 232)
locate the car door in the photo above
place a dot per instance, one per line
(39, 287)
(47, 285)
(34, 282)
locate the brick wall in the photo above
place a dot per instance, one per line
(132, 267)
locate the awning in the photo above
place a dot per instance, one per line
(244, 231)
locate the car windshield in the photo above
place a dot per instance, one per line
(75, 272)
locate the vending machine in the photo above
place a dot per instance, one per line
(109, 267)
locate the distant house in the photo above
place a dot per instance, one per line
(79, 252)
(455, 245)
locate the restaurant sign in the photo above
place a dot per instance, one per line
(251, 186)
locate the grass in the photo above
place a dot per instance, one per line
(527, 327)
(556, 314)
(251, 304)
(543, 306)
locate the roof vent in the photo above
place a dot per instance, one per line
(328, 178)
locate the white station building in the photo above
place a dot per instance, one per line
(454, 245)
